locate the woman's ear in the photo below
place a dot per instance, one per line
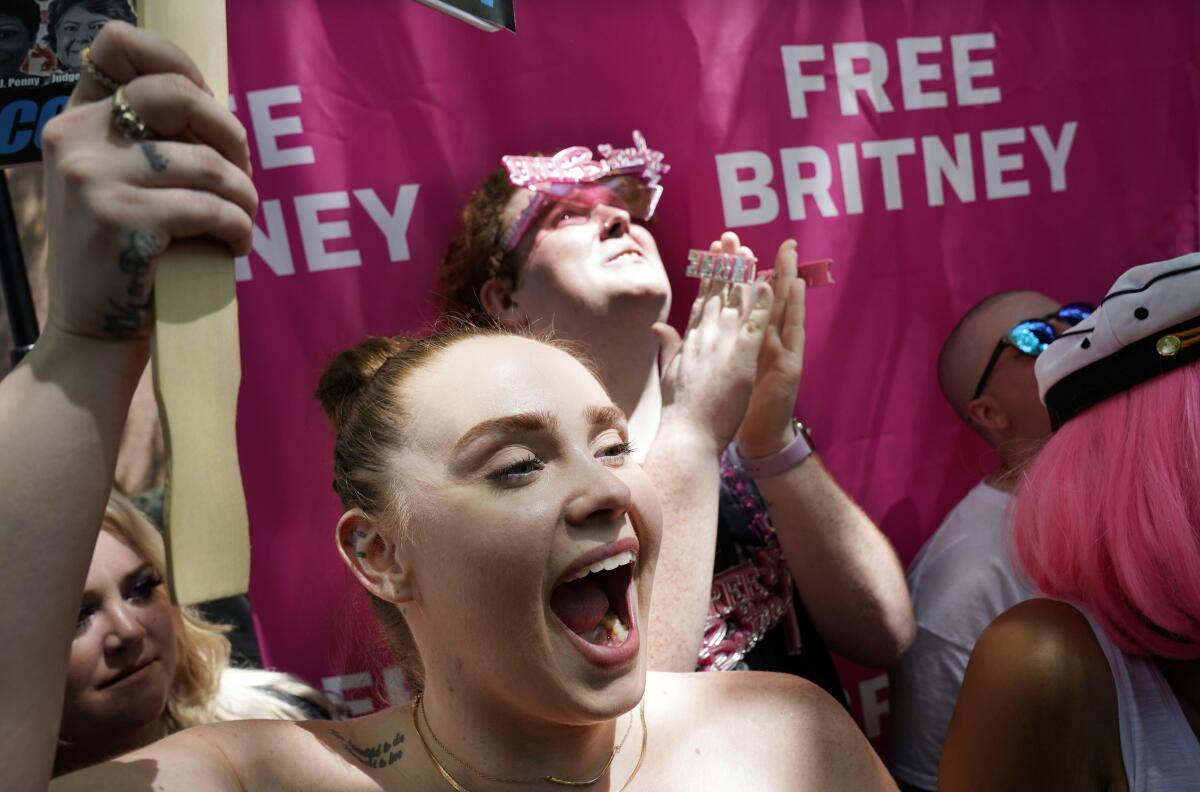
(496, 297)
(371, 551)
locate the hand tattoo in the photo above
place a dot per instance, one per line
(130, 314)
(158, 163)
(377, 756)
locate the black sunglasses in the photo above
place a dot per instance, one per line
(1032, 336)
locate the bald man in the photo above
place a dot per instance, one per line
(962, 578)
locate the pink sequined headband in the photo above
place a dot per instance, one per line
(632, 173)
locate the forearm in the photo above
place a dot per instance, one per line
(685, 469)
(61, 414)
(845, 569)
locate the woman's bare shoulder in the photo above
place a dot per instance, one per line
(1040, 645)
(789, 728)
(1038, 704)
(757, 694)
(241, 756)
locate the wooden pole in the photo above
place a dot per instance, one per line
(197, 363)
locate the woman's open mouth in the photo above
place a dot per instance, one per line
(595, 605)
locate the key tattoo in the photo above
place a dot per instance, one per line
(129, 313)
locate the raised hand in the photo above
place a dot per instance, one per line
(708, 375)
(767, 425)
(114, 202)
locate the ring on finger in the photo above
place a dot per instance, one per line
(98, 74)
(128, 122)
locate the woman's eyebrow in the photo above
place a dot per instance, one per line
(609, 415)
(520, 422)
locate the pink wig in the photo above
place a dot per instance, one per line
(1109, 516)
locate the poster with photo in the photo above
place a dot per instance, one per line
(41, 55)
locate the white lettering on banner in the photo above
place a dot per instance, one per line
(394, 223)
(395, 688)
(873, 707)
(1056, 156)
(851, 187)
(959, 172)
(273, 246)
(913, 73)
(870, 82)
(966, 70)
(995, 164)
(888, 152)
(817, 185)
(807, 172)
(268, 129)
(757, 186)
(336, 688)
(314, 233)
(800, 84)
(317, 229)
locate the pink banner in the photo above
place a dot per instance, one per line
(937, 151)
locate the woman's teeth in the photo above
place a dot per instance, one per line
(619, 560)
(610, 632)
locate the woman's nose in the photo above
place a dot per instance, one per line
(124, 628)
(601, 498)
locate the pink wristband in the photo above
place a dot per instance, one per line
(784, 459)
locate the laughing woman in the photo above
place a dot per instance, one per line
(509, 543)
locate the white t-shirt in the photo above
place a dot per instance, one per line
(960, 581)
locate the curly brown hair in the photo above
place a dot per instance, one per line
(476, 254)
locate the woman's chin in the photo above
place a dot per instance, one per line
(593, 701)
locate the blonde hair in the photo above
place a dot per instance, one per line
(205, 688)
(200, 646)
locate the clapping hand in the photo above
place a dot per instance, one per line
(708, 374)
(767, 425)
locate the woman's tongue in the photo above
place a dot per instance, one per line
(580, 604)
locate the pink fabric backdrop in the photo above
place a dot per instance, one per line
(368, 115)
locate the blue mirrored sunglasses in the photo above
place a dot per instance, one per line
(1032, 336)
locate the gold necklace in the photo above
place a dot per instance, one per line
(548, 779)
(455, 785)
